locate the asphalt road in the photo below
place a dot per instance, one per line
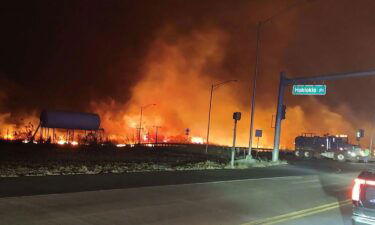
(305, 192)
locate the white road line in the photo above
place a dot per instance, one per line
(237, 180)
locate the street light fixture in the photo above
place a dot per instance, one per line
(213, 87)
(140, 121)
(256, 70)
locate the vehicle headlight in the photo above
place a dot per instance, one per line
(353, 154)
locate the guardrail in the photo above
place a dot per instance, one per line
(211, 147)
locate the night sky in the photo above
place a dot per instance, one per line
(73, 54)
(62, 54)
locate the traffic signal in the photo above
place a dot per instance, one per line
(283, 112)
(360, 133)
(237, 115)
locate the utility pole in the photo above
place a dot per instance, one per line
(140, 121)
(156, 134)
(284, 82)
(140, 127)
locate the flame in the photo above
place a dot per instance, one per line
(61, 142)
(197, 140)
(177, 84)
(8, 137)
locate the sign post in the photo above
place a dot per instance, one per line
(258, 134)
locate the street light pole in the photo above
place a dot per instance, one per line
(254, 91)
(256, 70)
(209, 118)
(140, 121)
(213, 87)
(140, 127)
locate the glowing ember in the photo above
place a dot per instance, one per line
(197, 140)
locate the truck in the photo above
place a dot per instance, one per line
(336, 147)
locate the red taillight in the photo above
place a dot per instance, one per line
(357, 188)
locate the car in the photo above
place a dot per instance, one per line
(363, 196)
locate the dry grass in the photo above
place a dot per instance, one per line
(45, 160)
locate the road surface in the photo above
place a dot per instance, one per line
(305, 192)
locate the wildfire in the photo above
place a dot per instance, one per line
(8, 137)
(8, 133)
(61, 142)
(176, 77)
(197, 140)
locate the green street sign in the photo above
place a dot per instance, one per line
(309, 89)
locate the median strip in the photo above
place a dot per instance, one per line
(300, 213)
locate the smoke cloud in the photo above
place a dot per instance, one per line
(113, 57)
